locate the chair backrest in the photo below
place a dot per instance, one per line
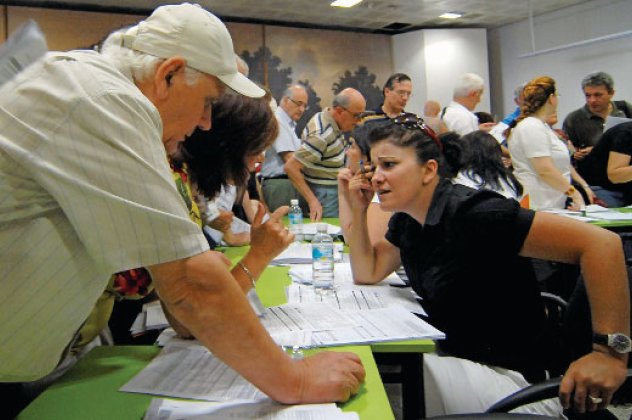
(536, 392)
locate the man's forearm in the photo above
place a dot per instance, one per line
(298, 180)
(204, 297)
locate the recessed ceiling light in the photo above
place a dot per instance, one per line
(345, 3)
(451, 15)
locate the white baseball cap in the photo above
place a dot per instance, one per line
(196, 35)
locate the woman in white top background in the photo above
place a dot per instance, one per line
(540, 159)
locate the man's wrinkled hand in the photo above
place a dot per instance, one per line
(331, 376)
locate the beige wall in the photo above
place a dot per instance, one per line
(3, 30)
(67, 30)
(320, 56)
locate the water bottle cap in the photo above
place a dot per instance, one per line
(294, 202)
(321, 227)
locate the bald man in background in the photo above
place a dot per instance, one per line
(314, 167)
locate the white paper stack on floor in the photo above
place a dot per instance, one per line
(165, 409)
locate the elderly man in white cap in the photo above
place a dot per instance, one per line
(86, 191)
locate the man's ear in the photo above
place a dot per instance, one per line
(165, 74)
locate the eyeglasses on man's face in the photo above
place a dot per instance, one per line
(356, 115)
(299, 104)
(413, 122)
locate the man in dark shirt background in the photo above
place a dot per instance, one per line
(585, 125)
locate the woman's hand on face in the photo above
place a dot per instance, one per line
(360, 189)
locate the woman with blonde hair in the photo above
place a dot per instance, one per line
(540, 159)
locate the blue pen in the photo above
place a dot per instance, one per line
(362, 170)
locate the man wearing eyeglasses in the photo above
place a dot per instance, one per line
(314, 167)
(277, 188)
(397, 91)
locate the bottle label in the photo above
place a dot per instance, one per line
(295, 218)
(323, 253)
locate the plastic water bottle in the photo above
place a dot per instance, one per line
(322, 260)
(296, 220)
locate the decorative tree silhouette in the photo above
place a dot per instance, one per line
(277, 78)
(314, 106)
(364, 82)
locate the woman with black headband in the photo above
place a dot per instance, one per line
(540, 159)
(464, 252)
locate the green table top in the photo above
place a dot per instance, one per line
(616, 225)
(90, 389)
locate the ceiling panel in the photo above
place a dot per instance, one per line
(368, 16)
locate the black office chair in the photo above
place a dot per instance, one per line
(533, 393)
(536, 392)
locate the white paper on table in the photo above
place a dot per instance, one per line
(166, 409)
(611, 215)
(300, 339)
(301, 253)
(343, 276)
(186, 369)
(358, 297)
(571, 214)
(347, 293)
(594, 208)
(379, 325)
(304, 317)
(310, 229)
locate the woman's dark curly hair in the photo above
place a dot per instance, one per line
(241, 127)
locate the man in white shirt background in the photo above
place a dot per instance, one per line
(277, 188)
(459, 116)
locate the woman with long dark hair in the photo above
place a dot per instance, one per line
(220, 162)
(476, 160)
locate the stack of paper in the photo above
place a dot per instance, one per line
(309, 230)
(358, 298)
(302, 273)
(301, 253)
(166, 409)
(330, 326)
(186, 369)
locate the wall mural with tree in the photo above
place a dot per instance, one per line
(324, 60)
